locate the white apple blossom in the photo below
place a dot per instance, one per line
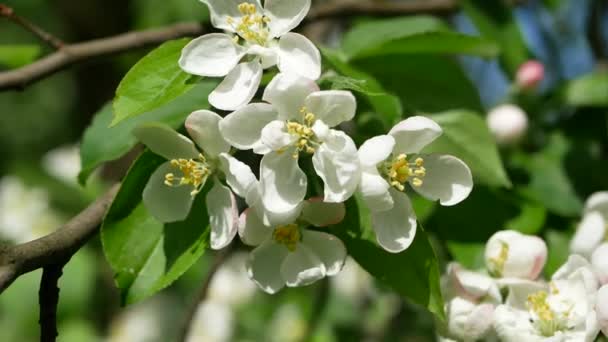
(297, 120)
(172, 188)
(389, 162)
(290, 254)
(601, 308)
(471, 298)
(257, 38)
(562, 310)
(591, 230)
(508, 123)
(599, 261)
(511, 254)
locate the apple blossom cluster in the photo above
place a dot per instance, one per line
(293, 120)
(507, 301)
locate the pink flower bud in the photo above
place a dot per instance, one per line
(508, 123)
(530, 74)
(510, 254)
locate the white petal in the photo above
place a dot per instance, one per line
(238, 174)
(297, 54)
(223, 215)
(514, 325)
(414, 133)
(282, 182)
(519, 291)
(264, 264)
(220, 10)
(471, 285)
(589, 234)
(599, 260)
(598, 202)
(448, 179)
(165, 141)
(302, 267)
(269, 56)
(374, 190)
(577, 267)
(525, 254)
(243, 128)
(395, 228)
(166, 203)
(287, 93)
(337, 163)
(285, 15)
(601, 308)
(271, 218)
(238, 88)
(326, 247)
(275, 136)
(332, 106)
(213, 55)
(203, 127)
(322, 214)
(376, 150)
(252, 230)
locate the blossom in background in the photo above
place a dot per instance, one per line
(290, 254)
(258, 38)
(510, 254)
(561, 310)
(63, 163)
(390, 162)
(172, 188)
(297, 120)
(591, 231)
(353, 282)
(138, 323)
(25, 213)
(530, 75)
(508, 123)
(471, 298)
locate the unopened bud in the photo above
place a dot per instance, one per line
(508, 123)
(510, 254)
(530, 74)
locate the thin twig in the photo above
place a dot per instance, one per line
(46, 37)
(72, 54)
(48, 298)
(56, 247)
(219, 259)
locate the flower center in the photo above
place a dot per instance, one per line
(305, 136)
(288, 235)
(251, 26)
(497, 264)
(399, 170)
(194, 172)
(545, 318)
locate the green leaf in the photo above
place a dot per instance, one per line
(589, 91)
(466, 136)
(423, 83)
(531, 218)
(469, 255)
(558, 246)
(154, 81)
(375, 33)
(14, 56)
(414, 273)
(494, 20)
(146, 255)
(387, 106)
(549, 182)
(338, 82)
(96, 147)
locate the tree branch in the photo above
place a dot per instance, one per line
(48, 298)
(46, 37)
(72, 54)
(57, 247)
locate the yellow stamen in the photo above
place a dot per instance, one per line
(288, 235)
(194, 173)
(400, 170)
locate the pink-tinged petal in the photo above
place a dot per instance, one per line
(287, 93)
(414, 133)
(203, 127)
(212, 55)
(166, 203)
(298, 55)
(252, 230)
(264, 265)
(512, 254)
(165, 141)
(395, 228)
(326, 247)
(238, 88)
(322, 214)
(223, 215)
(285, 15)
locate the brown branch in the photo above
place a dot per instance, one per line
(48, 298)
(219, 259)
(72, 54)
(46, 37)
(56, 247)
